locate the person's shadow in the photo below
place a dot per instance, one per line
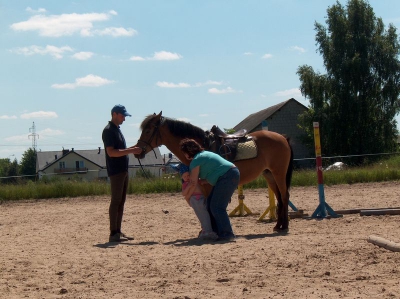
(200, 242)
(126, 243)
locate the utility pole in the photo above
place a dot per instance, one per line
(33, 134)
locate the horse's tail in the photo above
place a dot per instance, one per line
(289, 171)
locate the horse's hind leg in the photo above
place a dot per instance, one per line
(274, 187)
(284, 199)
(277, 182)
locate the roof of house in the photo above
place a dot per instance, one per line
(46, 159)
(253, 120)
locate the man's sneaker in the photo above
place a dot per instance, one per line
(208, 236)
(122, 235)
(117, 238)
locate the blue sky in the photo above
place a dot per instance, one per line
(65, 64)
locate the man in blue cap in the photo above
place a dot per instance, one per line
(117, 162)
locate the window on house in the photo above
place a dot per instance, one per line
(61, 164)
(79, 164)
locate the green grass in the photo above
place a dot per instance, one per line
(385, 170)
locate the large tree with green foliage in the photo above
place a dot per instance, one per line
(8, 170)
(357, 100)
(28, 163)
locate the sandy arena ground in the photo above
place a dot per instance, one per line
(58, 249)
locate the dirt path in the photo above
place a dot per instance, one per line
(58, 249)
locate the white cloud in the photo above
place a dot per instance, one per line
(247, 53)
(289, 93)
(209, 82)
(164, 55)
(88, 81)
(39, 114)
(56, 52)
(204, 115)
(8, 117)
(35, 11)
(17, 138)
(172, 85)
(165, 84)
(42, 135)
(116, 32)
(69, 24)
(82, 55)
(137, 58)
(266, 56)
(223, 91)
(298, 49)
(161, 55)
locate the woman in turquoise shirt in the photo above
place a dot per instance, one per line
(221, 174)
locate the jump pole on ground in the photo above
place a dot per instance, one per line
(323, 208)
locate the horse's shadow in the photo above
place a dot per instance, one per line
(189, 242)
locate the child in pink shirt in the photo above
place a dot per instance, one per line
(199, 204)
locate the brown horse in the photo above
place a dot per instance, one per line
(274, 159)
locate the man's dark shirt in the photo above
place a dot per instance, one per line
(112, 136)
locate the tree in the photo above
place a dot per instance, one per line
(28, 163)
(12, 172)
(356, 101)
(8, 169)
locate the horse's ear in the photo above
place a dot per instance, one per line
(160, 113)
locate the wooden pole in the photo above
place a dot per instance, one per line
(323, 208)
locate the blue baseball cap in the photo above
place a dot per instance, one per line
(120, 109)
(182, 168)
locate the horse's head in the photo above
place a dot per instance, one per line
(150, 137)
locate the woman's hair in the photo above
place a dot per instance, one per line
(190, 147)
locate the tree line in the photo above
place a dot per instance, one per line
(357, 99)
(10, 171)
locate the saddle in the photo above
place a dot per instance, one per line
(226, 145)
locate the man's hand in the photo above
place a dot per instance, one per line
(136, 150)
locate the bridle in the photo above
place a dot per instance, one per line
(156, 133)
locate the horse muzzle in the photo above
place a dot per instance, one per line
(141, 155)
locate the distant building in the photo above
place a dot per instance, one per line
(91, 164)
(283, 119)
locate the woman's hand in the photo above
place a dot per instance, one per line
(202, 182)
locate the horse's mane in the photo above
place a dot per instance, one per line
(184, 129)
(177, 127)
(147, 120)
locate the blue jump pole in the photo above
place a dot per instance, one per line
(323, 208)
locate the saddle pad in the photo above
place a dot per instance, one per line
(246, 150)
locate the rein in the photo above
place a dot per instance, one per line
(156, 133)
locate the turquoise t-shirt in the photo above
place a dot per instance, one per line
(212, 166)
